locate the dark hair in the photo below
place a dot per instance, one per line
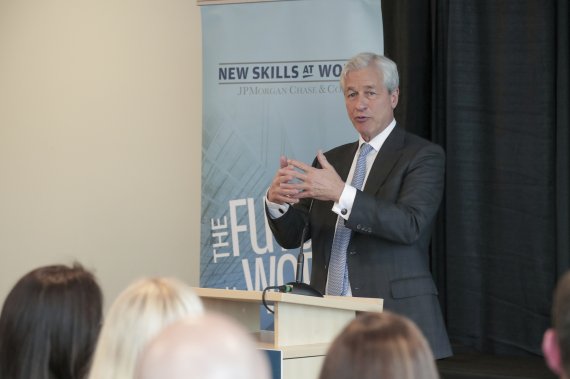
(49, 324)
(379, 345)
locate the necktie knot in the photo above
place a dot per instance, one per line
(365, 148)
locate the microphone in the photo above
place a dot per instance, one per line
(298, 287)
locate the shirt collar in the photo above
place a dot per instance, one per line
(378, 141)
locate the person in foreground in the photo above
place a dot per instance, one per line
(556, 340)
(210, 346)
(370, 205)
(379, 345)
(137, 315)
(49, 324)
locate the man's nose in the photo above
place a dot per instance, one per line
(361, 102)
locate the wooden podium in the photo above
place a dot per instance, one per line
(304, 326)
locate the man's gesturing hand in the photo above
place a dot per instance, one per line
(320, 184)
(277, 193)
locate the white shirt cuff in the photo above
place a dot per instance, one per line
(345, 203)
(276, 210)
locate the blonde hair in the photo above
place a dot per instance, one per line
(139, 313)
(380, 345)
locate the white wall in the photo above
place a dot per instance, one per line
(100, 138)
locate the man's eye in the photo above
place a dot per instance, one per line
(351, 94)
(370, 93)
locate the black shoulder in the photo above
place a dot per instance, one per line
(342, 150)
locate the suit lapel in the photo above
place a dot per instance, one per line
(389, 154)
(345, 159)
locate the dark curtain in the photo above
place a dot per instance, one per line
(488, 80)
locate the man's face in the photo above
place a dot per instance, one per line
(369, 106)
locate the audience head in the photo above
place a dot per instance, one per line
(210, 346)
(379, 345)
(385, 66)
(138, 314)
(49, 324)
(556, 341)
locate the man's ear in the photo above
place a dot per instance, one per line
(394, 96)
(551, 351)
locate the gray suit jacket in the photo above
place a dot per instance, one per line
(391, 223)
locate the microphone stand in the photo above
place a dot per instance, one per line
(298, 287)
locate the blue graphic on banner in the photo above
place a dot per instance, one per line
(270, 79)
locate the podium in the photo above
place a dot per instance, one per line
(304, 326)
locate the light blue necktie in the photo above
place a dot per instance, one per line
(338, 271)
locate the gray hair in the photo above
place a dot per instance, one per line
(383, 64)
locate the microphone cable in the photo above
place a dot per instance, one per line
(284, 288)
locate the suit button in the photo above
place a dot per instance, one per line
(352, 253)
(358, 227)
(343, 211)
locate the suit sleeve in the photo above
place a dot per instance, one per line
(403, 208)
(288, 228)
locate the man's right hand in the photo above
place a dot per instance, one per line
(279, 195)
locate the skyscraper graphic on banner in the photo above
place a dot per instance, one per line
(270, 88)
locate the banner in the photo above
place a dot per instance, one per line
(270, 88)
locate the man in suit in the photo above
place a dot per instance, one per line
(556, 340)
(370, 205)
